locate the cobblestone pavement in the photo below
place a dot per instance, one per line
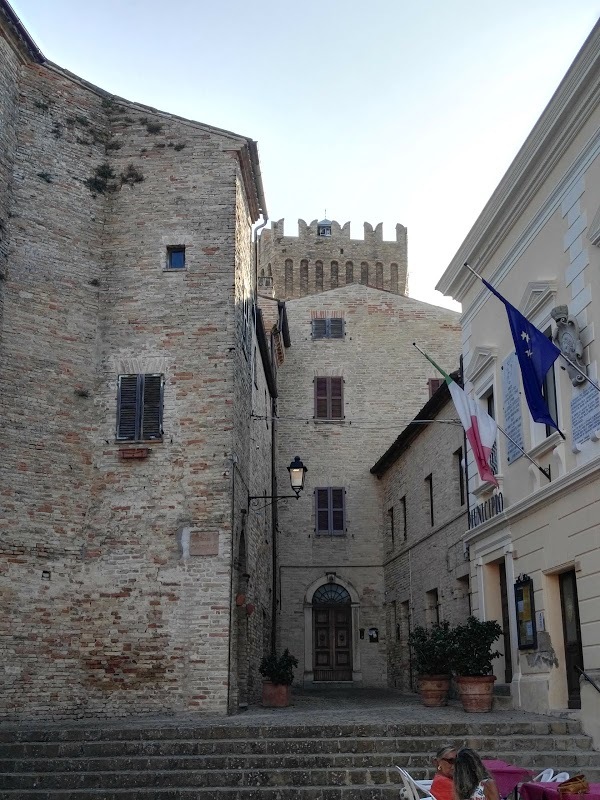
(354, 706)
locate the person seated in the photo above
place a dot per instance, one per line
(442, 786)
(472, 781)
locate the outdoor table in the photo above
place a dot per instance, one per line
(507, 776)
(549, 791)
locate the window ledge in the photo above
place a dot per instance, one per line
(549, 443)
(179, 269)
(329, 421)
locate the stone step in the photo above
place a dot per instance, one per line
(365, 744)
(381, 792)
(420, 765)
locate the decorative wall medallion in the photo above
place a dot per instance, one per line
(566, 337)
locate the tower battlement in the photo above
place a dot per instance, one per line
(323, 256)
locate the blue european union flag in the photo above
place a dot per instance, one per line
(536, 354)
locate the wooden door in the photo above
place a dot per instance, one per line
(572, 635)
(508, 672)
(332, 643)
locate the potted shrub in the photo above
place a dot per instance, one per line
(472, 657)
(432, 653)
(278, 674)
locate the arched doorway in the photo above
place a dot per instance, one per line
(332, 633)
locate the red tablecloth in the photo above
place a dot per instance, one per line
(549, 791)
(507, 776)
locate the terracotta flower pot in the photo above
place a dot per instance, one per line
(476, 692)
(275, 695)
(434, 690)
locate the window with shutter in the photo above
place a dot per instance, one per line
(330, 511)
(319, 328)
(332, 328)
(336, 328)
(139, 407)
(329, 399)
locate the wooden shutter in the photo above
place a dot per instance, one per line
(336, 398)
(319, 328)
(336, 328)
(434, 384)
(337, 511)
(321, 398)
(151, 427)
(127, 405)
(322, 502)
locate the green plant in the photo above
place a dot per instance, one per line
(179, 146)
(153, 127)
(41, 104)
(100, 182)
(45, 176)
(279, 670)
(432, 648)
(114, 144)
(472, 652)
(131, 175)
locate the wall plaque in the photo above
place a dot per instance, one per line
(204, 543)
(511, 397)
(585, 413)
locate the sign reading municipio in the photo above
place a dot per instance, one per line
(484, 511)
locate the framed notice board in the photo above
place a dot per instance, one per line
(526, 629)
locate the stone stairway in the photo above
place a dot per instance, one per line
(265, 761)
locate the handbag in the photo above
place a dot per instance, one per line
(575, 785)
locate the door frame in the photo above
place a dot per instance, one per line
(308, 677)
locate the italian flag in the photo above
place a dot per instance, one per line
(479, 426)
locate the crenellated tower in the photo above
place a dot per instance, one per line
(323, 256)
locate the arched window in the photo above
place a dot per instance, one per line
(331, 594)
(394, 277)
(349, 272)
(269, 270)
(364, 272)
(289, 277)
(303, 277)
(335, 276)
(319, 276)
(379, 275)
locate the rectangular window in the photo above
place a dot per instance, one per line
(432, 607)
(433, 384)
(490, 406)
(330, 511)
(391, 525)
(139, 407)
(330, 328)
(458, 457)
(402, 519)
(429, 487)
(549, 392)
(176, 257)
(329, 398)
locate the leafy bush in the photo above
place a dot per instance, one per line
(472, 651)
(432, 648)
(279, 670)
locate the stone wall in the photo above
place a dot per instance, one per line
(422, 558)
(309, 263)
(116, 573)
(385, 384)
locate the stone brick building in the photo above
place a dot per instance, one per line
(426, 568)
(127, 343)
(351, 381)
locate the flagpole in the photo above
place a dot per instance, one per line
(527, 456)
(568, 360)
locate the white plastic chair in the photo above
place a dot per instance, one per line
(545, 776)
(560, 777)
(425, 785)
(413, 790)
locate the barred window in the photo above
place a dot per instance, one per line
(330, 328)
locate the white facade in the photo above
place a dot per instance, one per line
(536, 242)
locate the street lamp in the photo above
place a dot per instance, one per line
(297, 472)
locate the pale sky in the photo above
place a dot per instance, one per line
(382, 111)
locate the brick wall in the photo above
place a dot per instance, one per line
(116, 574)
(385, 384)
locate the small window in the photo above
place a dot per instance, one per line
(176, 257)
(460, 471)
(432, 608)
(330, 511)
(391, 525)
(329, 399)
(139, 407)
(331, 328)
(402, 519)
(429, 487)
(433, 385)
(324, 230)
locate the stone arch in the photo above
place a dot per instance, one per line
(364, 272)
(323, 580)
(289, 277)
(335, 275)
(349, 272)
(394, 277)
(319, 276)
(379, 275)
(303, 277)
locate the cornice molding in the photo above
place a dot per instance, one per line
(574, 101)
(536, 295)
(482, 359)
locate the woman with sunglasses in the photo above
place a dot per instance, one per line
(472, 781)
(442, 786)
